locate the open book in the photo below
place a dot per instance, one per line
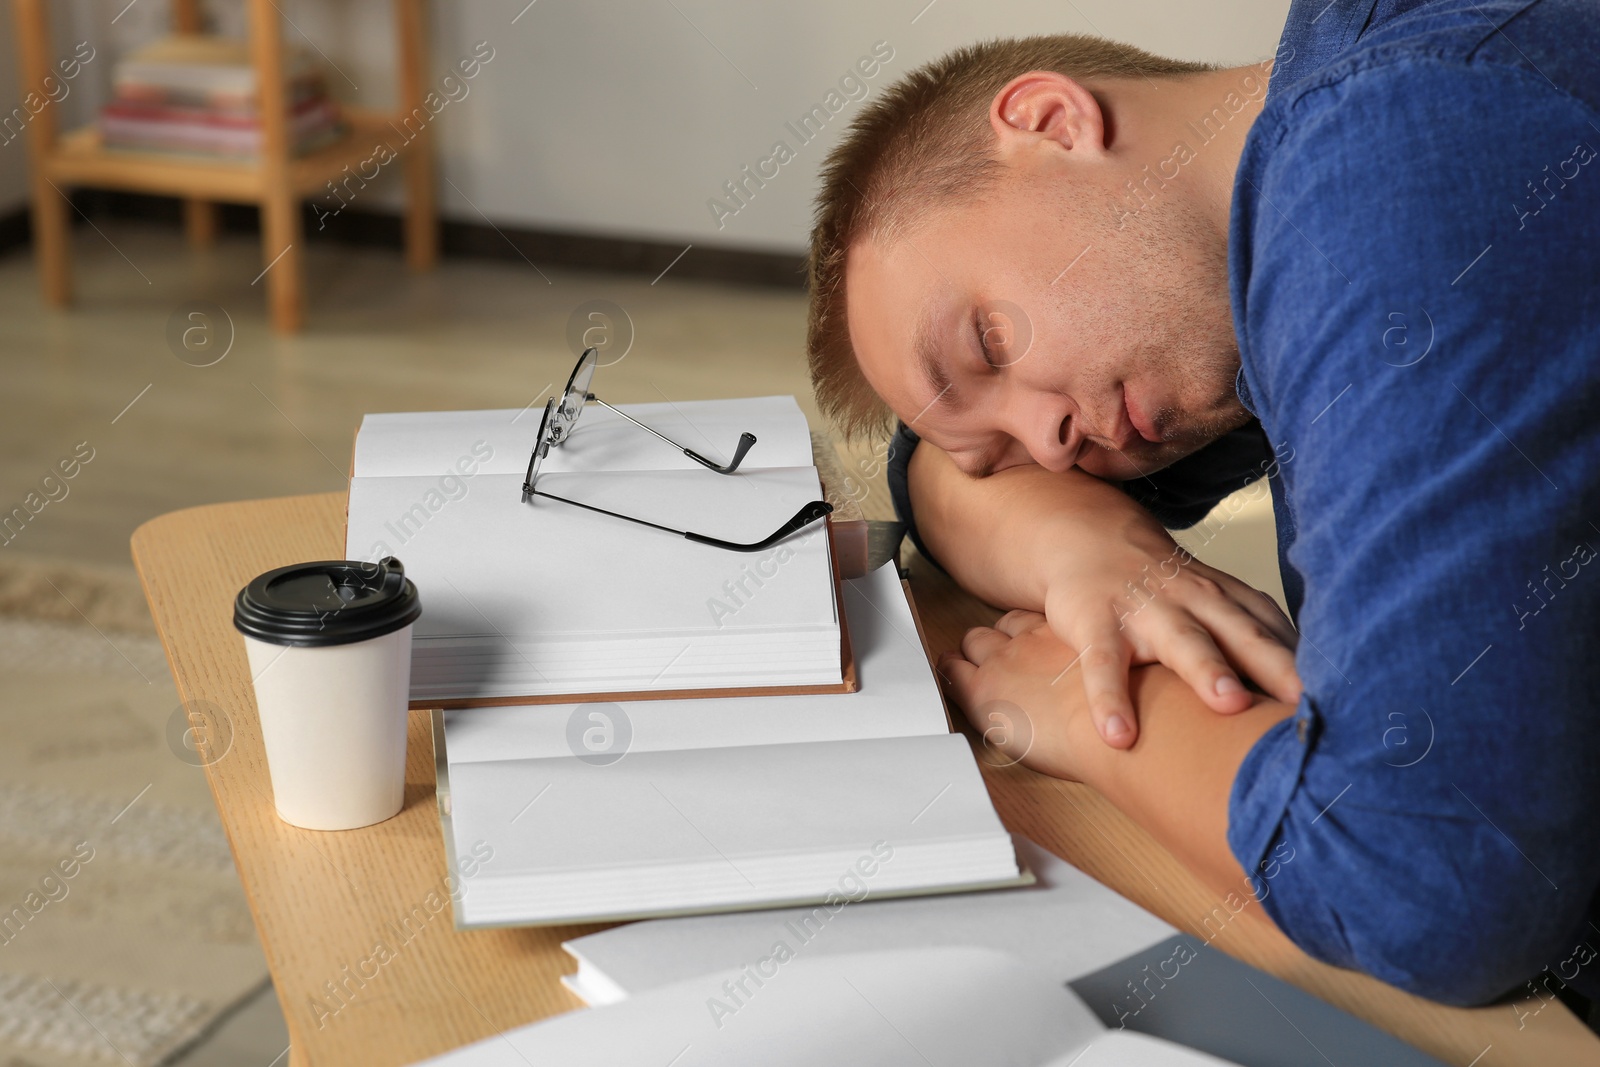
(607, 811)
(534, 601)
(913, 1007)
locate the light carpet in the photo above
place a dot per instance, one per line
(124, 934)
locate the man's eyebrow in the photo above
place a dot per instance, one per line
(926, 349)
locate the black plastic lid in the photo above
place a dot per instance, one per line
(331, 602)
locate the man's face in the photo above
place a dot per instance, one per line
(1039, 323)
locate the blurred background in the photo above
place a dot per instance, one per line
(612, 158)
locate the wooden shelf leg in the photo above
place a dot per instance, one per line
(187, 16)
(282, 262)
(421, 212)
(52, 211)
(52, 240)
(200, 222)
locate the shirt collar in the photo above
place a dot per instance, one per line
(1242, 387)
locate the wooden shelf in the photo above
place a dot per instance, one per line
(277, 180)
(80, 158)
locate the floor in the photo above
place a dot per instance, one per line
(112, 380)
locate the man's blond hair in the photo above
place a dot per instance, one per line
(925, 140)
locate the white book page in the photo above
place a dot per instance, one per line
(718, 805)
(434, 443)
(1066, 925)
(898, 697)
(490, 566)
(931, 1006)
(1124, 1048)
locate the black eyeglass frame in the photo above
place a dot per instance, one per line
(561, 416)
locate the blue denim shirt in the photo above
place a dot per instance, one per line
(1414, 255)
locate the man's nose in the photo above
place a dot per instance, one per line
(1045, 425)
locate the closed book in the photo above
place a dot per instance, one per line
(200, 64)
(212, 136)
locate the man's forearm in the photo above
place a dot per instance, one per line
(997, 536)
(1176, 780)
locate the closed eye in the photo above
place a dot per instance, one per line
(983, 344)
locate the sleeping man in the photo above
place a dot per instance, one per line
(1100, 291)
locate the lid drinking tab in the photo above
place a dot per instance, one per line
(329, 602)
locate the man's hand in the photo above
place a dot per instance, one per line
(1139, 598)
(1111, 580)
(1013, 684)
(1016, 685)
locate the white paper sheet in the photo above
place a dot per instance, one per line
(930, 1007)
(1066, 925)
(958, 1006)
(487, 563)
(433, 443)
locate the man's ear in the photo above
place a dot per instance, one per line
(1043, 106)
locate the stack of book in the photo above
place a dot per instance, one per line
(197, 95)
(715, 730)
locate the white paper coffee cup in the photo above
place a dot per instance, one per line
(329, 645)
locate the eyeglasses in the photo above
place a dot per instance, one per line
(560, 419)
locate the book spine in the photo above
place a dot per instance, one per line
(208, 139)
(210, 97)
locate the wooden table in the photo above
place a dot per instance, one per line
(323, 902)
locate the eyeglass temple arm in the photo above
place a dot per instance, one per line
(746, 439)
(807, 515)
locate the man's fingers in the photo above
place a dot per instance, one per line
(1181, 642)
(1257, 650)
(1265, 610)
(1104, 663)
(1016, 623)
(958, 675)
(980, 643)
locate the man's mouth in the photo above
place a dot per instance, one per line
(1138, 418)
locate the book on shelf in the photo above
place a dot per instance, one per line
(541, 601)
(599, 811)
(201, 70)
(198, 95)
(198, 132)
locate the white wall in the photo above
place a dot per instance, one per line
(618, 116)
(624, 117)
